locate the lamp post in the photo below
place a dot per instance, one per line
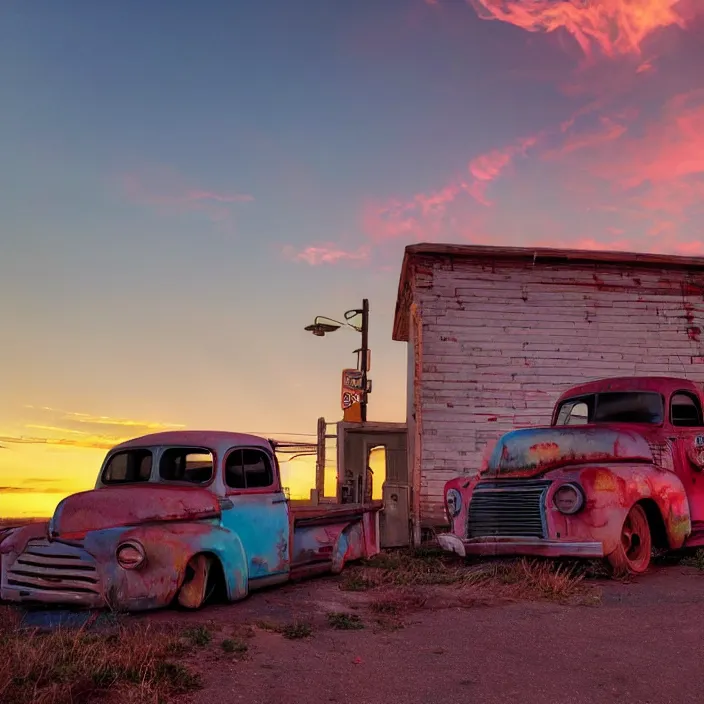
(323, 325)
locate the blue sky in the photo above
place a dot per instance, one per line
(185, 185)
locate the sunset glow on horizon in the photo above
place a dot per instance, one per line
(183, 192)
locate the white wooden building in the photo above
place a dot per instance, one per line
(496, 334)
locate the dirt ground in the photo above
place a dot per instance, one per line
(618, 642)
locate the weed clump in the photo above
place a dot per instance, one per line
(235, 647)
(199, 636)
(296, 630)
(345, 622)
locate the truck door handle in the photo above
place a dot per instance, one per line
(278, 501)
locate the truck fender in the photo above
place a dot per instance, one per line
(613, 491)
(185, 540)
(348, 546)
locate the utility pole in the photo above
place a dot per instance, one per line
(320, 458)
(365, 357)
(322, 325)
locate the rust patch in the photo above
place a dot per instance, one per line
(688, 312)
(282, 553)
(604, 481)
(545, 450)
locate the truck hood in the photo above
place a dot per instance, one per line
(532, 451)
(115, 506)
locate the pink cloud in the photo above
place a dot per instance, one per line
(619, 178)
(219, 197)
(615, 27)
(444, 212)
(694, 248)
(490, 166)
(327, 253)
(607, 130)
(662, 167)
(394, 219)
(602, 245)
(425, 215)
(169, 193)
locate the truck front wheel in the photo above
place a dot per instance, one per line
(632, 556)
(193, 592)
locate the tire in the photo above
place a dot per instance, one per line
(194, 590)
(632, 556)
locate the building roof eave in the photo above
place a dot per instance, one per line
(542, 255)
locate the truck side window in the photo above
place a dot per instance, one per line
(685, 410)
(128, 467)
(248, 469)
(186, 464)
(575, 412)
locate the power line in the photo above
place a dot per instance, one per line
(270, 434)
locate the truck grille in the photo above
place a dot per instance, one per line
(46, 567)
(508, 508)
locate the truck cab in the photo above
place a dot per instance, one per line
(617, 472)
(175, 517)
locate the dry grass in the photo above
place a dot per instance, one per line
(133, 665)
(696, 560)
(519, 579)
(531, 579)
(414, 567)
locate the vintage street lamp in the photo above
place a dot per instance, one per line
(323, 325)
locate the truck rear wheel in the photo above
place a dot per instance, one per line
(632, 556)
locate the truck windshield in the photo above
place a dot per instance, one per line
(612, 407)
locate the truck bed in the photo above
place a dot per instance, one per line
(326, 536)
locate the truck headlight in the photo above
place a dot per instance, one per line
(453, 500)
(130, 555)
(568, 499)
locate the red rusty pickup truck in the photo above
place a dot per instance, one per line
(617, 473)
(175, 517)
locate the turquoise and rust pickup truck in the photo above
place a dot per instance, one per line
(177, 517)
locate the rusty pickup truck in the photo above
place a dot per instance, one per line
(617, 473)
(174, 518)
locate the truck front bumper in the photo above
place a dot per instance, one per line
(519, 546)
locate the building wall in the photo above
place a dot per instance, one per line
(501, 341)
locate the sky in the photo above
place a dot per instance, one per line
(184, 186)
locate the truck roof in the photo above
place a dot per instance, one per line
(658, 384)
(218, 440)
